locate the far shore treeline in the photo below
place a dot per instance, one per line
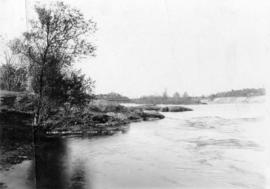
(176, 98)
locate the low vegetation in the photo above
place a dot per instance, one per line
(240, 93)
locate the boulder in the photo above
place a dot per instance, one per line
(134, 117)
(159, 108)
(164, 109)
(101, 118)
(150, 115)
(176, 109)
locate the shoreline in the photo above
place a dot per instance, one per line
(18, 135)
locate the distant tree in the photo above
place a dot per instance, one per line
(176, 95)
(185, 95)
(165, 95)
(55, 41)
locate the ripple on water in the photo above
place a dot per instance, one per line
(217, 122)
(226, 143)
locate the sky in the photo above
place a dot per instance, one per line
(145, 47)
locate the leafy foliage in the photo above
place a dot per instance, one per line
(58, 38)
(13, 78)
(59, 33)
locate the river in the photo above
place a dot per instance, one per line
(217, 146)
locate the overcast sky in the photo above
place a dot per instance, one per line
(147, 46)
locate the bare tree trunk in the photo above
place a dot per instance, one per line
(40, 99)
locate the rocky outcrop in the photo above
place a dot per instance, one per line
(97, 123)
(174, 109)
(150, 115)
(161, 108)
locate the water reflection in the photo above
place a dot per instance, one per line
(16, 149)
(40, 162)
(50, 167)
(78, 180)
(53, 167)
(49, 163)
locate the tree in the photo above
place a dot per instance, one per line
(13, 76)
(165, 95)
(58, 38)
(176, 95)
(185, 95)
(77, 89)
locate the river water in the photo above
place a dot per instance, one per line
(218, 146)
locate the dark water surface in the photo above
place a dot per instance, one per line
(215, 146)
